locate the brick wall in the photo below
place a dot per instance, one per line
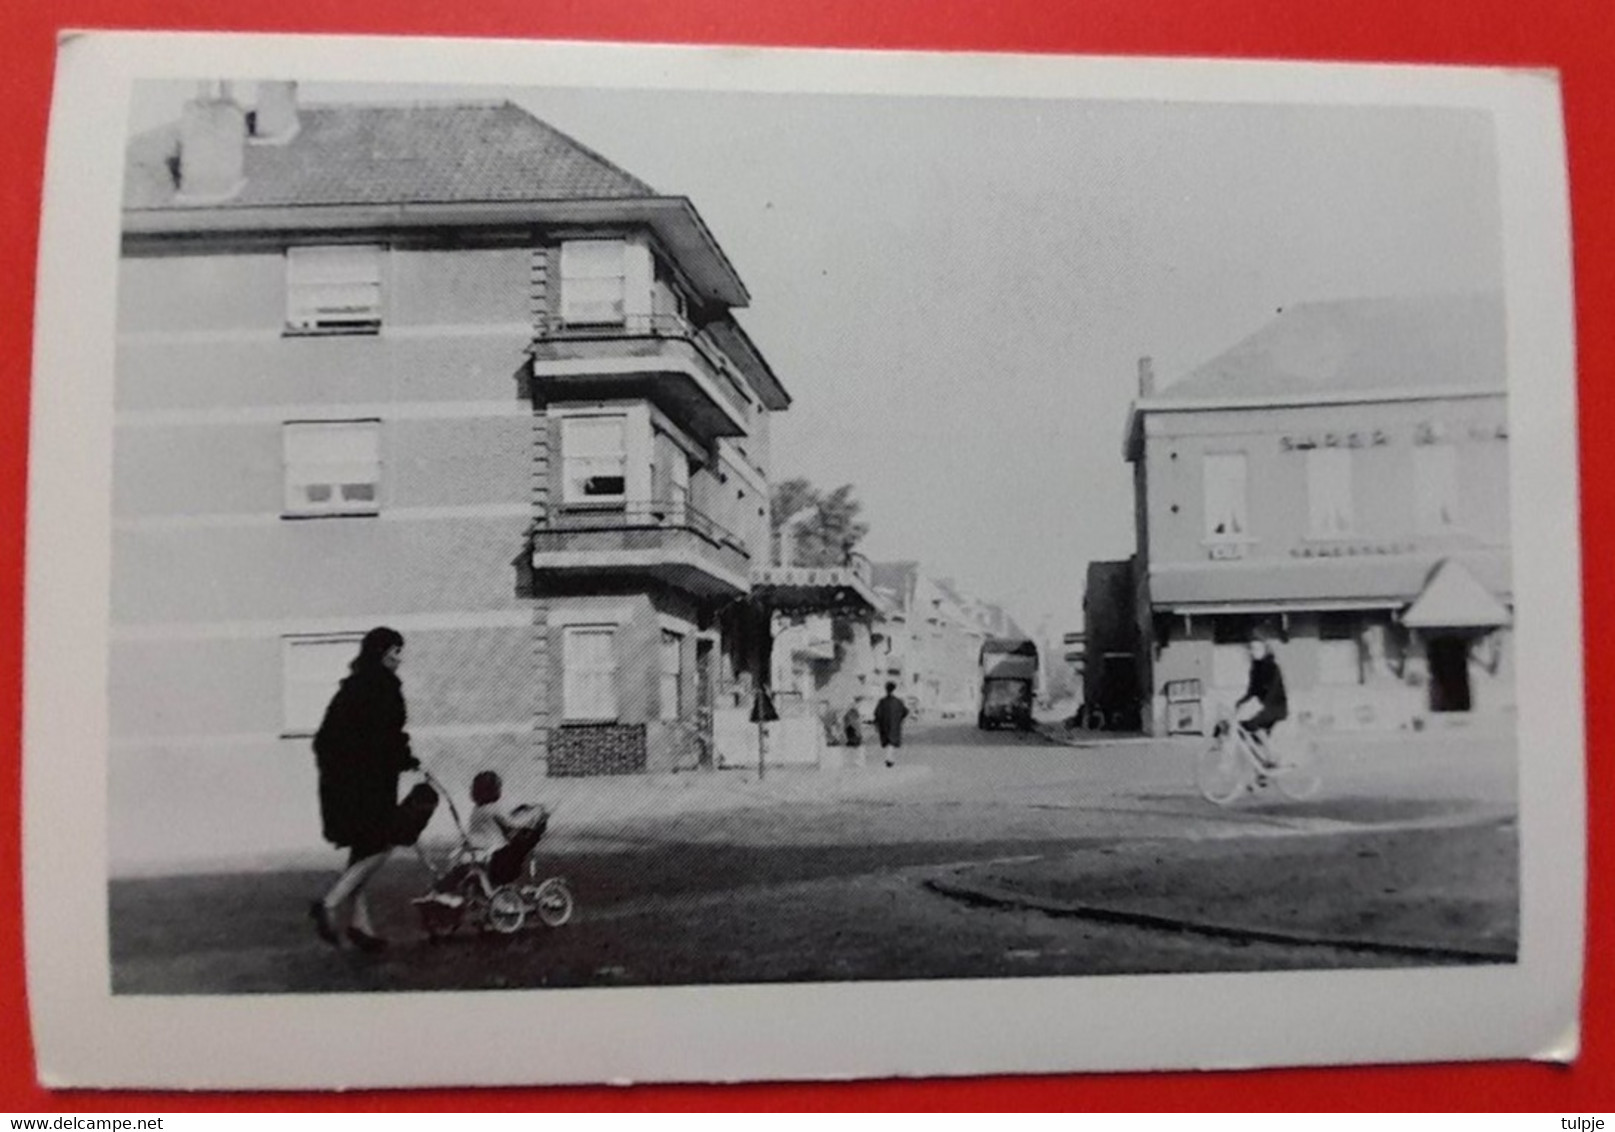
(576, 750)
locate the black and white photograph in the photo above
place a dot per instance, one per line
(928, 544)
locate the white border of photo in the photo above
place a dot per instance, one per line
(84, 1036)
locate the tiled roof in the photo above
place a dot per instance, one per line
(1359, 345)
(368, 155)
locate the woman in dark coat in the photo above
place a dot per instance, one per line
(360, 749)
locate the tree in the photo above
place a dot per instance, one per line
(827, 536)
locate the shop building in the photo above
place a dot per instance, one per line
(1340, 477)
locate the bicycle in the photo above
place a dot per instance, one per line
(1230, 767)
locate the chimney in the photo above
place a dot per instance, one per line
(212, 144)
(274, 117)
(1146, 377)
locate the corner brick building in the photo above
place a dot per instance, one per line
(438, 367)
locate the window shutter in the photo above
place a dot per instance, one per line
(593, 282)
(594, 457)
(334, 287)
(638, 279)
(589, 663)
(332, 466)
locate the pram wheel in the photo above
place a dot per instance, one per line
(507, 911)
(552, 902)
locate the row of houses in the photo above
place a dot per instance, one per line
(922, 633)
(1340, 478)
(928, 639)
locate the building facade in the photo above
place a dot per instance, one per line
(439, 367)
(1341, 478)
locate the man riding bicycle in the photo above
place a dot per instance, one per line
(1265, 695)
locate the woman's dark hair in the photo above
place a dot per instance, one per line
(375, 646)
(486, 788)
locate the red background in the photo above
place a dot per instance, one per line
(1576, 37)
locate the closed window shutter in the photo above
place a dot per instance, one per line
(594, 457)
(594, 282)
(639, 280)
(588, 658)
(333, 288)
(332, 466)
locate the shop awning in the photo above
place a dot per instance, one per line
(1366, 581)
(1454, 599)
(834, 590)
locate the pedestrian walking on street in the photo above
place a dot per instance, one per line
(889, 715)
(360, 749)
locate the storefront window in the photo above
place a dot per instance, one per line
(1339, 649)
(1230, 653)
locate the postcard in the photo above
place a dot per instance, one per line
(582, 563)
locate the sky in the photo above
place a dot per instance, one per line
(956, 292)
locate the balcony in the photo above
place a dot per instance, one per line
(662, 358)
(666, 543)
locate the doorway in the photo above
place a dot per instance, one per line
(703, 702)
(1449, 673)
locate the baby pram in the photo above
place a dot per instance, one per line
(493, 892)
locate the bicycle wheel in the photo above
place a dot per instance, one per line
(1297, 775)
(1220, 770)
(507, 911)
(552, 902)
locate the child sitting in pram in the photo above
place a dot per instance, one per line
(497, 841)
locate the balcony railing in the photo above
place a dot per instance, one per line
(637, 526)
(666, 325)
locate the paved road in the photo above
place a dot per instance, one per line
(1366, 776)
(822, 889)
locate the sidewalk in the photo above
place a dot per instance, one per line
(587, 805)
(1444, 890)
(627, 797)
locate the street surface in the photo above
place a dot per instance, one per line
(982, 855)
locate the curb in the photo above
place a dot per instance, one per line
(992, 896)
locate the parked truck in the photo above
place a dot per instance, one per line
(1008, 682)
